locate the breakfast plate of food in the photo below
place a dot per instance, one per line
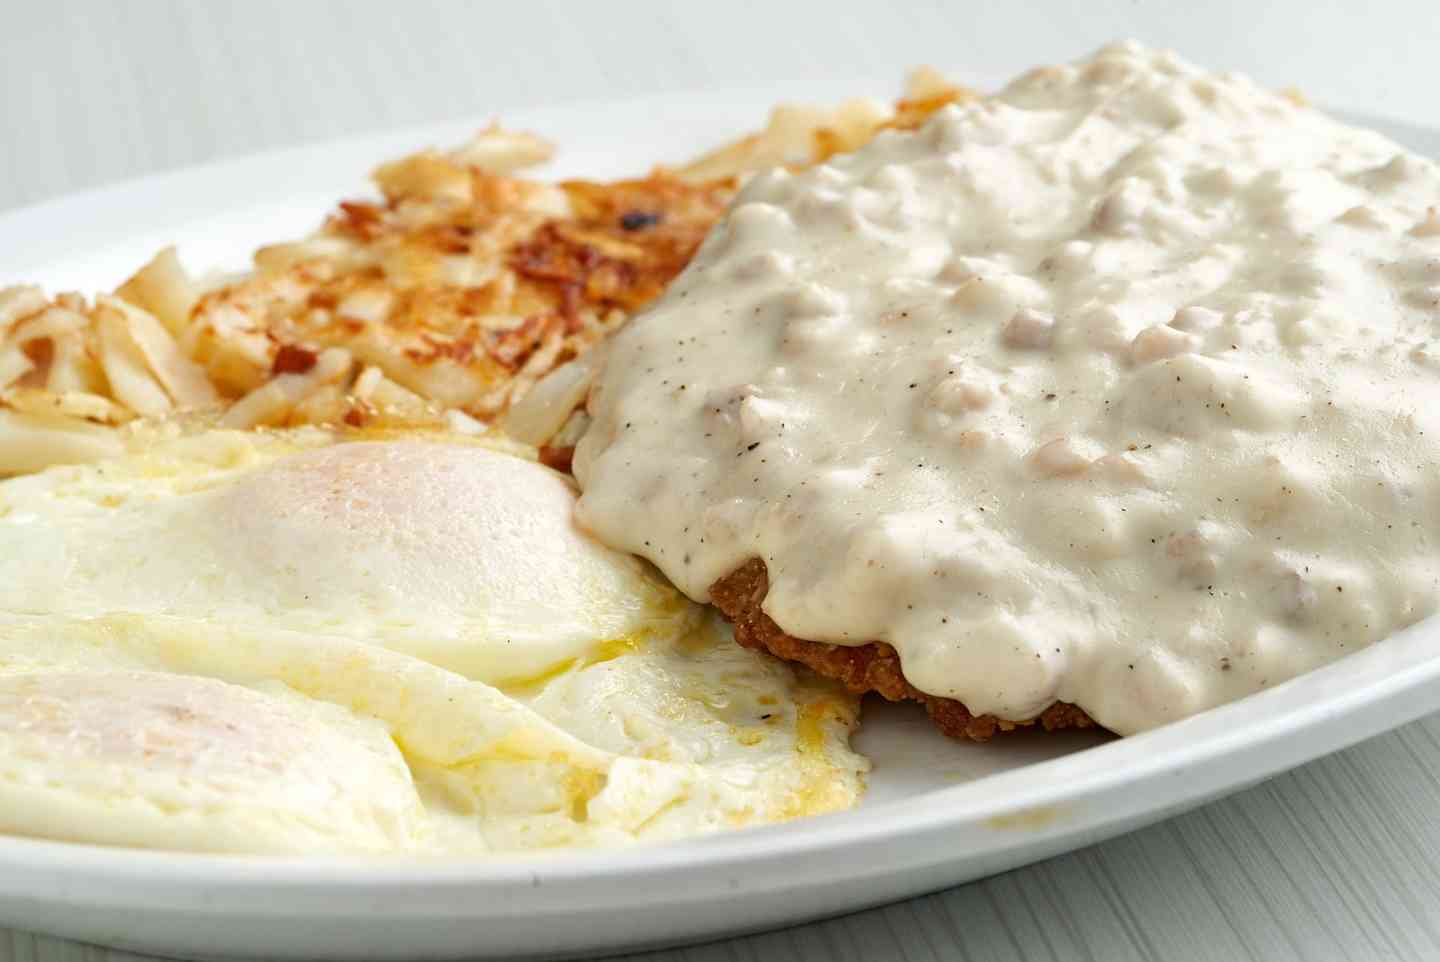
(570, 550)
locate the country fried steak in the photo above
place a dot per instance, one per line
(875, 667)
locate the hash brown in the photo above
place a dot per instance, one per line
(452, 294)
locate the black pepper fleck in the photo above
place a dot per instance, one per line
(639, 219)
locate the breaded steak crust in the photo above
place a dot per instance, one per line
(860, 668)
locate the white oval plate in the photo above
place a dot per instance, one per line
(937, 813)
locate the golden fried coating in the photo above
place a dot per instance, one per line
(861, 668)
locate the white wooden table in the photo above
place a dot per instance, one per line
(1338, 860)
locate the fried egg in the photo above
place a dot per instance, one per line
(153, 759)
(453, 552)
(425, 601)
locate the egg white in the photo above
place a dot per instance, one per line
(153, 759)
(541, 690)
(453, 552)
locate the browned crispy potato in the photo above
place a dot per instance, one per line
(449, 297)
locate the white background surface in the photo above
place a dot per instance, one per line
(1340, 859)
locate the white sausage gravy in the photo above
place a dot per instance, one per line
(1120, 387)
